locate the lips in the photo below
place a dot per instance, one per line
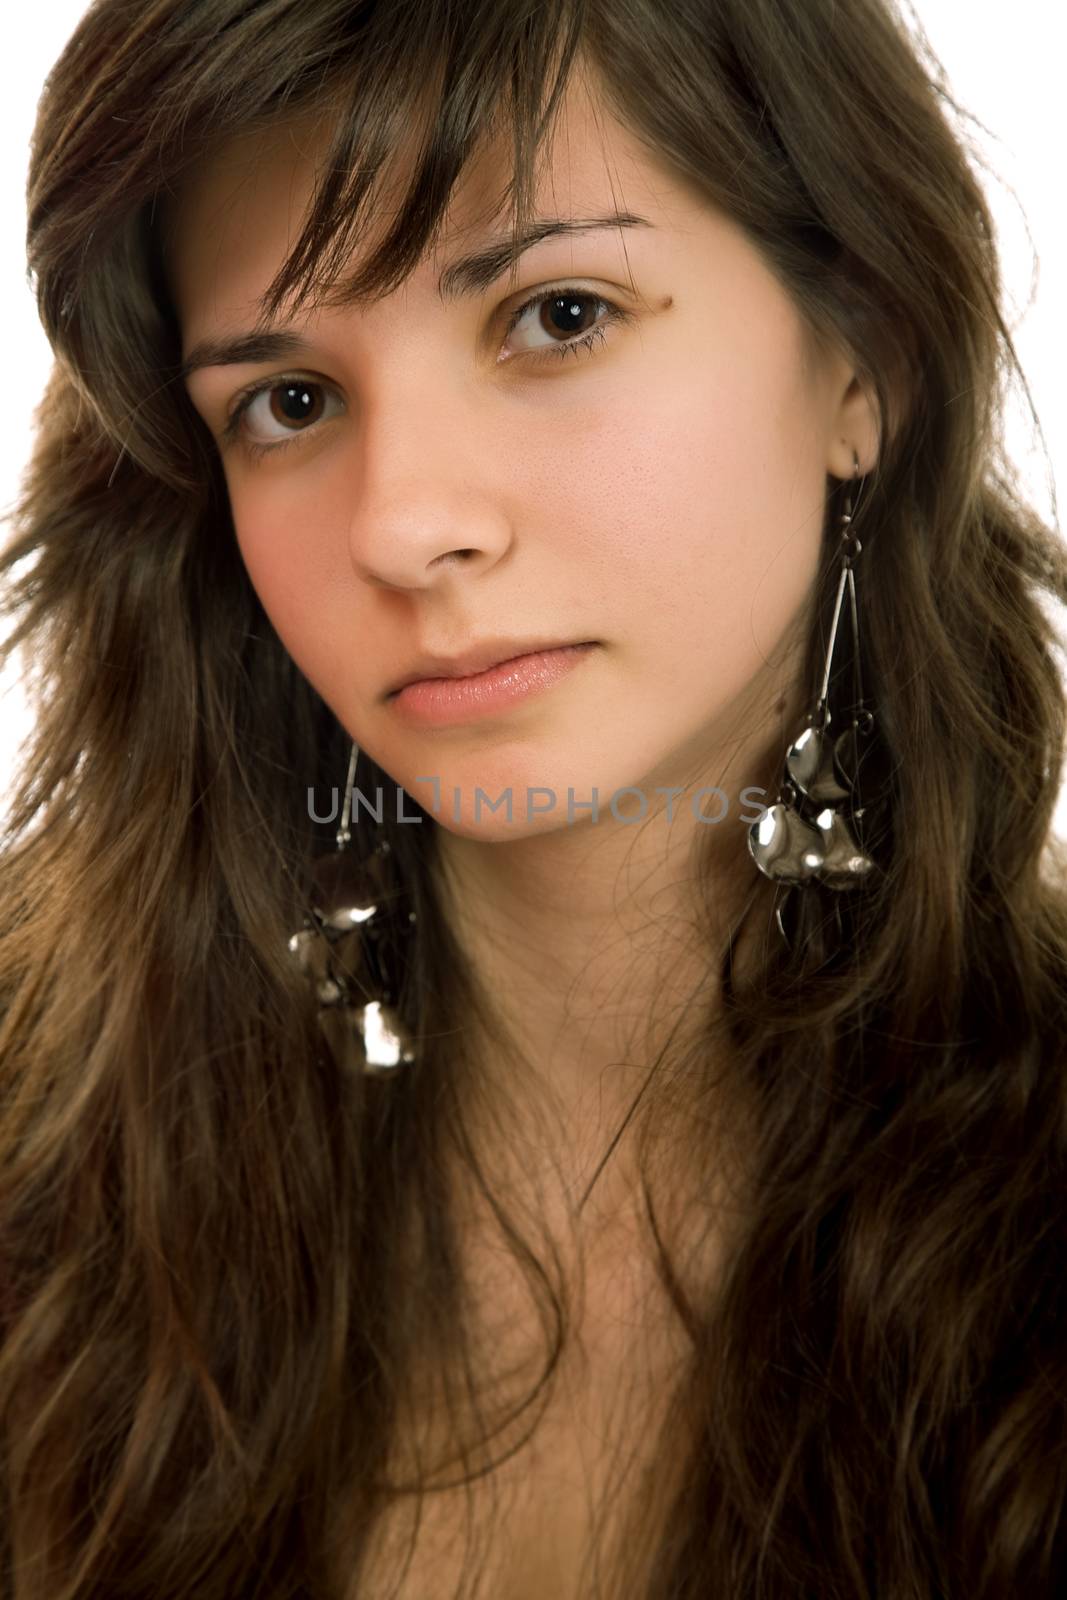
(497, 691)
(478, 659)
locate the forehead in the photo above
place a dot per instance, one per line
(241, 210)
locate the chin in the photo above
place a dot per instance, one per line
(495, 827)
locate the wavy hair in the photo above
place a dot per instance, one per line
(207, 1316)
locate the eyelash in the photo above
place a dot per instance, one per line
(585, 341)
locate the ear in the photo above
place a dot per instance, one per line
(856, 423)
(856, 429)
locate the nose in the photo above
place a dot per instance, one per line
(422, 511)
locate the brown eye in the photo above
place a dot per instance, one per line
(292, 405)
(295, 403)
(568, 314)
(572, 319)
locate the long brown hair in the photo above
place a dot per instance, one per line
(206, 1325)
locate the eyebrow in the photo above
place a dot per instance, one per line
(470, 275)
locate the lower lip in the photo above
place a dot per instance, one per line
(440, 702)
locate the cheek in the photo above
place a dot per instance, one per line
(694, 514)
(306, 600)
(293, 568)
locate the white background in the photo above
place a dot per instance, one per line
(1003, 66)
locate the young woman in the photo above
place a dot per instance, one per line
(589, 1126)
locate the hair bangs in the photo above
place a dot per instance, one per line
(429, 109)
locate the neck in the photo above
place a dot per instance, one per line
(599, 947)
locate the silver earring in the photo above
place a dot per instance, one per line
(804, 837)
(351, 947)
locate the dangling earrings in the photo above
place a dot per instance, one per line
(803, 836)
(352, 947)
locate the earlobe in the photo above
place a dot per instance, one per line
(860, 417)
(857, 430)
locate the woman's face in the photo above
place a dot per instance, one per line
(447, 482)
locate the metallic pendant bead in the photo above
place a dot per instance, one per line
(784, 846)
(812, 767)
(345, 892)
(351, 947)
(311, 952)
(803, 837)
(348, 948)
(844, 863)
(366, 1039)
(384, 1043)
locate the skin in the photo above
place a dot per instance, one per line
(662, 494)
